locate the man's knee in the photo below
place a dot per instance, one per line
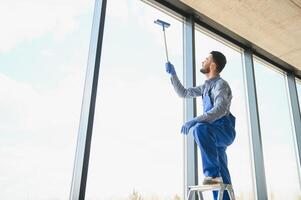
(200, 131)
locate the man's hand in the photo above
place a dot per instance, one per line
(185, 128)
(170, 68)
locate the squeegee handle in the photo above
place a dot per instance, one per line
(166, 52)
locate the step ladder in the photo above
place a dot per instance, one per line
(220, 187)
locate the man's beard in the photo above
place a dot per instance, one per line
(205, 71)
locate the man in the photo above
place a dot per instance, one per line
(214, 130)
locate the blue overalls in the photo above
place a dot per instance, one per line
(213, 139)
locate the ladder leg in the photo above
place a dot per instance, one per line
(200, 194)
(189, 194)
(220, 194)
(231, 193)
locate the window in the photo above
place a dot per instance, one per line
(137, 148)
(277, 133)
(239, 153)
(42, 71)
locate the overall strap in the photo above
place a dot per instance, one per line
(208, 91)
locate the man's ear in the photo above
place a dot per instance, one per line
(213, 66)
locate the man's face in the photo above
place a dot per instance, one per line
(206, 64)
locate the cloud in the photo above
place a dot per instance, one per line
(38, 130)
(25, 21)
(27, 111)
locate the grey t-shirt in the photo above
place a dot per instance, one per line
(220, 96)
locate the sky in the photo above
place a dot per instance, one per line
(276, 130)
(136, 142)
(44, 48)
(137, 114)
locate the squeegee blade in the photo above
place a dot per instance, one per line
(162, 23)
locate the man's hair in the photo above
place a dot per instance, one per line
(219, 59)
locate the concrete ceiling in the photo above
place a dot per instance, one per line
(273, 25)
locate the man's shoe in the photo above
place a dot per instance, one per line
(211, 181)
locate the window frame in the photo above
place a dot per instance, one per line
(191, 17)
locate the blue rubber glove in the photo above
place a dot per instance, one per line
(185, 128)
(170, 68)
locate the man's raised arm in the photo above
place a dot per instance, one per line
(179, 88)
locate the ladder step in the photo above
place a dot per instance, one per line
(207, 187)
(220, 187)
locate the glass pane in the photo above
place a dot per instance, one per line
(298, 82)
(277, 133)
(42, 69)
(239, 159)
(137, 148)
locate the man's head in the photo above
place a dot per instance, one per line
(215, 62)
